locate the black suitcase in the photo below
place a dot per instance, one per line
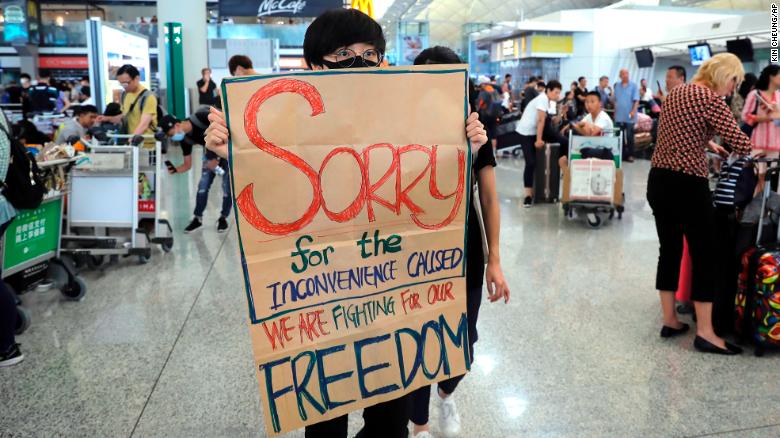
(547, 176)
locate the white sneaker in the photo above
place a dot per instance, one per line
(423, 434)
(449, 420)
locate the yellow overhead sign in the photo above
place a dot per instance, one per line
(364, 6)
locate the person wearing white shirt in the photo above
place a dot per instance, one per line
(531, 130)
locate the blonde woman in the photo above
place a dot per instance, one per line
(679, 194)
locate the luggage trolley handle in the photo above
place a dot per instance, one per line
(771, 170)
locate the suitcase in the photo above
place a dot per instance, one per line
(547, 176)
(757, 305)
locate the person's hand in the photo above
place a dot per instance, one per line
(212, 164)
(496, 284)
(631, 115)
(539, 144)
(718, 149)
(217, 133)
(476, 133)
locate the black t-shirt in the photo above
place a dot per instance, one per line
(580, 104)
(210, 96)
(199, 121)
(475, 258)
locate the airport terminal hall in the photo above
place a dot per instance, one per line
(389, 218)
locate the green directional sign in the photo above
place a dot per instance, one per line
(174, 67)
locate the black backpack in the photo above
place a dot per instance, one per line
(23, 186)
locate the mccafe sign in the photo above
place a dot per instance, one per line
(276, 8)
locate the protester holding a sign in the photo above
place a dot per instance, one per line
(483, 167)
(339, 39)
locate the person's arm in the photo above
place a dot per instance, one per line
(494, 276)
(205, 87)
(186, 166)
(143, 124)
(747, 108)
(540, 118)
(719, 117)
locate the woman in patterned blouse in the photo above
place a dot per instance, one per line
(679, 194)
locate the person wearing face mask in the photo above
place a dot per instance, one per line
(679, 194)
(348, 38)
(188, 133)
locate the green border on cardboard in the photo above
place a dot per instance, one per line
(250, 300)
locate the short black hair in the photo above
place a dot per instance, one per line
(24, 76)
(766, 74)
(84, 109)
(129, 70)
(532, 79)
(747, 85)
(552, 85)
(595, 94)
(237, 61)
(338, 28)
(85, 78)
(604, 77)
(579, 79)
(680, 70)
(508, 75)
(437, 55)
(85, 90)
(541, 84)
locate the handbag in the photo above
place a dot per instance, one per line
(744, 126)
(23, 186)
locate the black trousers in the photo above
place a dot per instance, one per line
(421, 398)
(682, 205)
(7, 311)
(385, 420)
(549, 135)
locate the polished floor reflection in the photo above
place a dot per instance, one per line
(162, 349)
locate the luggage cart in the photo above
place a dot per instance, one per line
(30, 249)
(590, 196)
(114, 208)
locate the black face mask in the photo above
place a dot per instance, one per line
(358, 63)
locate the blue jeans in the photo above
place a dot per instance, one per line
(628, 138)
(206, 179)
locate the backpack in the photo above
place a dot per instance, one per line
(736, 184)
(141, 100)
(490, 104)
(23, 186)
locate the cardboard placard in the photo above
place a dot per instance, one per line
(351, 194)
(592, 180)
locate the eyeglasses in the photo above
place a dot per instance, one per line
(346, 58)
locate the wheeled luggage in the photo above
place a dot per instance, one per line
(757, 305)
(547, 176)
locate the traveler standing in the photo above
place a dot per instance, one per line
(679, 194)
(529, 92)
(579, 95)
(207, 89)
(605, 91)
(531, 128)
(675, 76)
(625, 97)
(762, 107)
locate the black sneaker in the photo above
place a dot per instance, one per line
(528, 202)
(222, 225)
(194, 225)
(11, 357)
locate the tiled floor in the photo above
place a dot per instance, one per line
(163, 350)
